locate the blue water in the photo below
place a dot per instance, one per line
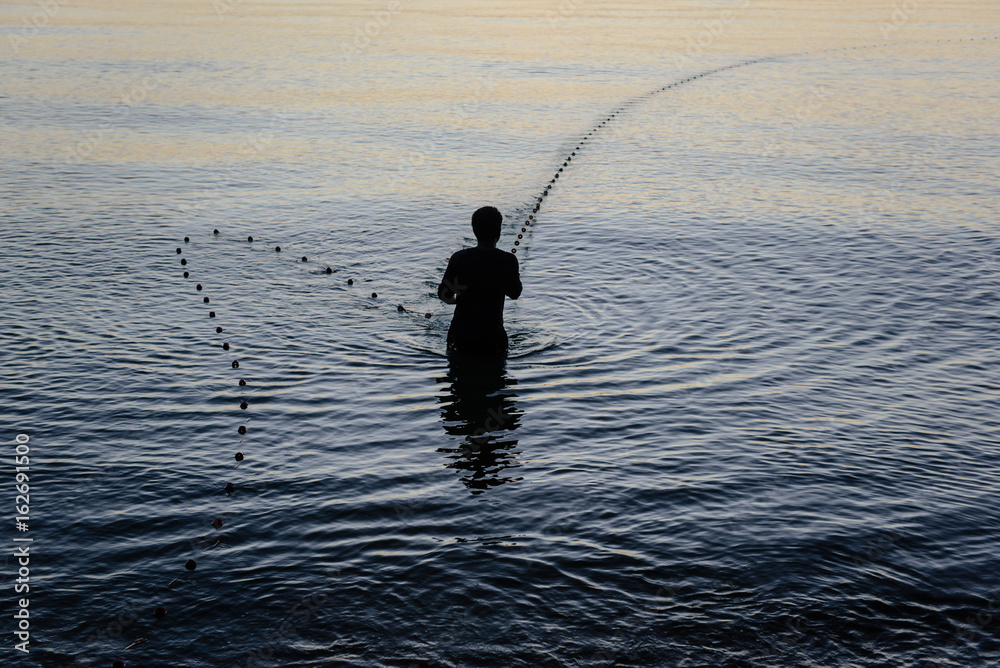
(749, 417)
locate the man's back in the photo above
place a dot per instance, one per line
(479, 278)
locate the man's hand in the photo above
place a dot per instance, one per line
(448, 292)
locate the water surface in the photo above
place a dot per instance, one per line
(749, 417)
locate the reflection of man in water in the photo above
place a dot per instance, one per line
(476, 281)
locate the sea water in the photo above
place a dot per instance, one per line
(749, 415)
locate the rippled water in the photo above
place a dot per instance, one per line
(749, 417)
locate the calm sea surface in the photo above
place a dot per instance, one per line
(750, 414)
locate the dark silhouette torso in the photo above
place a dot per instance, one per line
(480, 277)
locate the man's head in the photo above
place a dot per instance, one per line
(486, 224)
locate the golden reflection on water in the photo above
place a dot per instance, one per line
(530, 68)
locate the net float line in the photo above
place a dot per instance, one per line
(190, 565)
(304, 259)
(594, 131)
(616, 113)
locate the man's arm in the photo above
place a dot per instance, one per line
(447, 290)
(514, 283)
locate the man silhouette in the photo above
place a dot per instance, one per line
(476, 281)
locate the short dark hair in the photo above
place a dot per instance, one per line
(486, 223)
